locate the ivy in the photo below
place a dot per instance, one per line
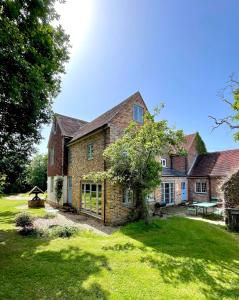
(200, 145)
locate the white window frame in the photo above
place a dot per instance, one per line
(138, 113)
(83, 201)
(127, 196)
(201, 187)
(90, 151)
(171, 192)
(164, 162)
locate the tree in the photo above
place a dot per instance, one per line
(232, 121)
(133, 160)
(37, 172)
(33, 52)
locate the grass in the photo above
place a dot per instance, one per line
(175, 258)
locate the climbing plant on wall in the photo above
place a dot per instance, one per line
(200, 145)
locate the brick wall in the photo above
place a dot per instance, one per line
(193, 196)
(177, 188)
(123, 119)
(55, 141)
(179, 163)
(192, 155)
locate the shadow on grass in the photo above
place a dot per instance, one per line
(184, 251)
(7, 217)
(31, 271)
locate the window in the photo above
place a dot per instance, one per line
(164, 162)
(127, 196)
(201, 187)
(90, 151)
(52, 184)
(138, 114)
(91, 197)
(167, 192)
(51, 156)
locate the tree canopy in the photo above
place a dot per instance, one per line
(33, 52)
(134, 159)
(37, 172)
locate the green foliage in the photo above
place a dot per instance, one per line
(200, 145)
(33, 52)
(37, 172)
(24, 220)
(58, 188)
(2, 183)
(49, 215)
(63, 231)
(132, 159)
(231, 191)
(177, 258)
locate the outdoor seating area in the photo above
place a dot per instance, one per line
(206, 208)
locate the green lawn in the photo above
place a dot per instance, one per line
(176, 258)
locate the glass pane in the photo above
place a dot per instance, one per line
(87, 187)
(93, 202)
(99, 202)
(87, 200)
(99, 187)
(93, 187)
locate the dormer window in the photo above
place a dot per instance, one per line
(164, 162)
(138, 113)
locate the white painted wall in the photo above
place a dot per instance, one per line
(51, 194)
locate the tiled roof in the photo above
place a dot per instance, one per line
(171, 172)
(69, 126)
(221, 163)
(103, 119)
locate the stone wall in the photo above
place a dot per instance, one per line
(81, 166)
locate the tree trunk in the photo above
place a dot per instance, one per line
(142, 206)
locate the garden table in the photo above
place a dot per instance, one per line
(204, 206)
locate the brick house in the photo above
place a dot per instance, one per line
(76, 148)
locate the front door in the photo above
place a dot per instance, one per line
(183, 191)
(69, 190)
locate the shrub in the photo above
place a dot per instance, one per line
(63, 231)
(24, 220)
(49, 215)
(58, 188)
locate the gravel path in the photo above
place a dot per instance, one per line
(69, 219)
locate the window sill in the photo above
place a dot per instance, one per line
(203, 193)
(85, 211)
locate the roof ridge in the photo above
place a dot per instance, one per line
(104, 118)
(222, 151)
(76, 119)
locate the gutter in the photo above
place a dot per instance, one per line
(88, 134)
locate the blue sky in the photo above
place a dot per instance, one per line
(180, 52)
